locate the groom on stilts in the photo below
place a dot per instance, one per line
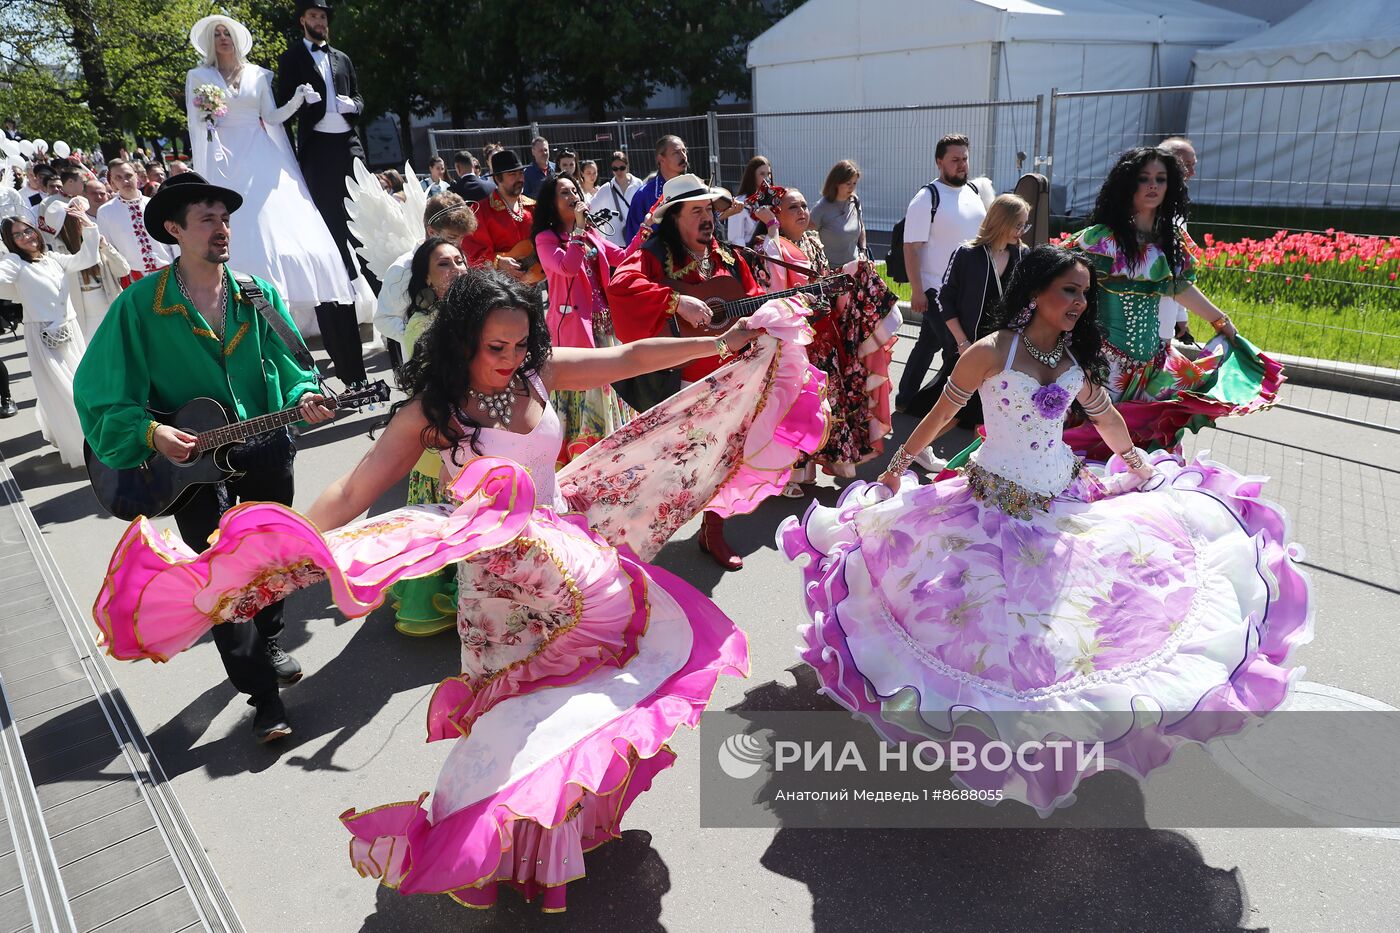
(327, 145)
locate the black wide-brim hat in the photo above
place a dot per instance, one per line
(185, 188)
(304, 5)
(504, 161)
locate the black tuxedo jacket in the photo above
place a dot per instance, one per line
(296, 67)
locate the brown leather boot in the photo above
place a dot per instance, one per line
(712, 542)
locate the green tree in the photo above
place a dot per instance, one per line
(96, 70)
(706, 44)
(603, 56)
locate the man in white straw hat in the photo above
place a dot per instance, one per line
(681, 248)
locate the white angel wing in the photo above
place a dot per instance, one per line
(415, 201)
(377, 220)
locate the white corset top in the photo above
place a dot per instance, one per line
(537, 451)
(1025, 427)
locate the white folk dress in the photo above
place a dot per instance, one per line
(54, 341)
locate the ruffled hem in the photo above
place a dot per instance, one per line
(1137, 742)
(793, 420)
(533, 832)
(1160, 423)
(159, 597)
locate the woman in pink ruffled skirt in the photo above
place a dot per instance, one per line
(579, 660)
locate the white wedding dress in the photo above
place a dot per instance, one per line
(277, 235)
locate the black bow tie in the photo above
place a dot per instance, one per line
(318, 48)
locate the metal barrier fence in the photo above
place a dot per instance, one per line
(1309, 157)
(1299, 156)
(892, 145)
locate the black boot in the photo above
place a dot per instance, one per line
(8, 409)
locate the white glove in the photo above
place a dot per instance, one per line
(309, 94)
(347, 105)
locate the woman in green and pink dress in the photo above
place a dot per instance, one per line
(1141, 252)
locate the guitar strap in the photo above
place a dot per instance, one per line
(288, 335)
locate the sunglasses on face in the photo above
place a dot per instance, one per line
(619, 168)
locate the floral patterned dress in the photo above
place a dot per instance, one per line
(1032, 584)
(579, 659)
(854, 346)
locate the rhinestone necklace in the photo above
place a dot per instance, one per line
(498, 405)
(1051, 359)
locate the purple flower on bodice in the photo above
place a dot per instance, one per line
(1051, 401)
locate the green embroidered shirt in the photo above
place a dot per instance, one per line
(1129, 298)
(155, 350)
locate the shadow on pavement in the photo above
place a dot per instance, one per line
(1001, 879)
(626, 882)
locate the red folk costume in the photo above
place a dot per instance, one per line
(642, 304)
(497, 231)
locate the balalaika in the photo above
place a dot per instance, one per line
(159, 486)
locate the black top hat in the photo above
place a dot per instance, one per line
(503, 161)
(186, 188)
(304, 5)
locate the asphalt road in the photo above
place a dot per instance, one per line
(268, 815)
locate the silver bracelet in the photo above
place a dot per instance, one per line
(956, 394)
(1132, 457)
(900, 462)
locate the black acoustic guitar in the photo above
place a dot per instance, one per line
(159, 486)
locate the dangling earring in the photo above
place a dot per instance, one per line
(1024, 317)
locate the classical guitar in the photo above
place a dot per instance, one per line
(524, 253)
(727, 300)
(160, 485)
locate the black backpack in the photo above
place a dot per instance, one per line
(894, 259)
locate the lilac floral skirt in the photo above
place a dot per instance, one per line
(1143, 619)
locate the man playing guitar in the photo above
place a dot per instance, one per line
(681, 248)
(190, 331)
(503, 223)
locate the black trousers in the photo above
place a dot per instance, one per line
(326, 159)
(340, 334)
(267, 476)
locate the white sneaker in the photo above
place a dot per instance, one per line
(929, 461)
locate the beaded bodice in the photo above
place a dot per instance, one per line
(1025, 427)
(1129, 296)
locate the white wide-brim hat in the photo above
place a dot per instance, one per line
(685, 188)
(202, 35)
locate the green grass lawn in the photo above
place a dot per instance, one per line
(1368, 334)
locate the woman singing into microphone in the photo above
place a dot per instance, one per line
(578, 261)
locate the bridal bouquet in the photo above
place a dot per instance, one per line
(209, 98)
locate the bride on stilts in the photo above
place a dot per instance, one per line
(238, 141)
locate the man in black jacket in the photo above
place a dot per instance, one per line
(327, 145)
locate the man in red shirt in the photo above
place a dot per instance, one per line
(682, 247)
(503, 221)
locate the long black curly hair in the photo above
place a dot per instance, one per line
(1035, 273)
(439, 374)
(418, 301)
(1114, 207)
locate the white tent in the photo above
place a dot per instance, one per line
(862, 54)
(1316, 146)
